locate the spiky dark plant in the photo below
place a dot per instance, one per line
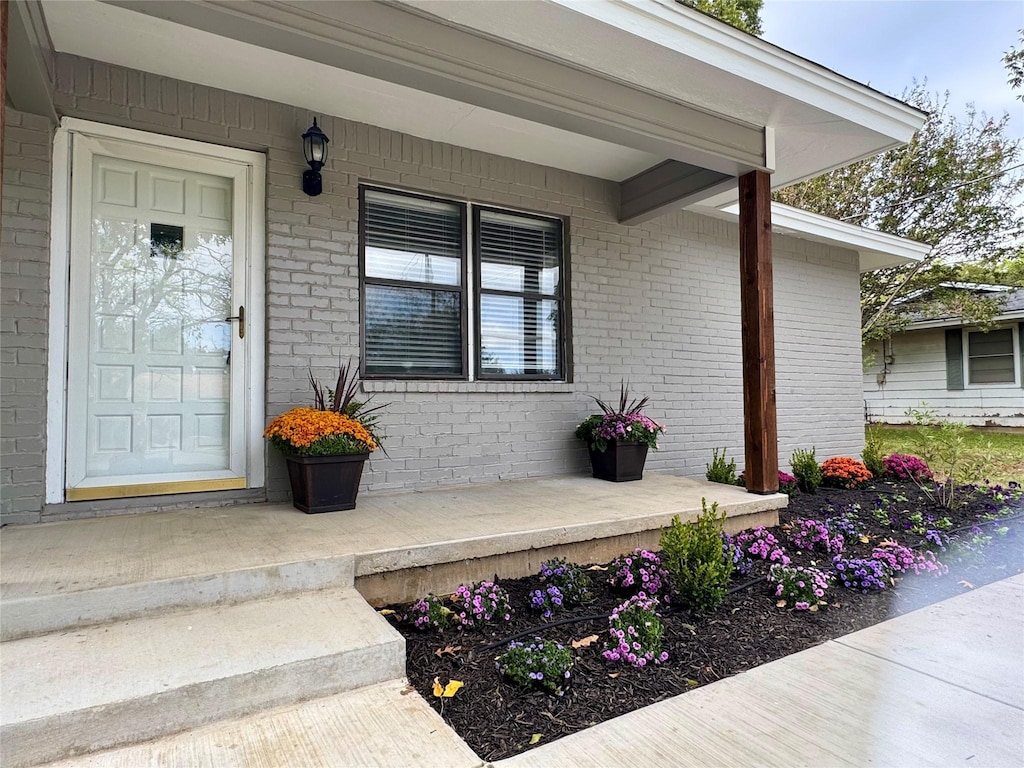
(342, 399)
(626, 407)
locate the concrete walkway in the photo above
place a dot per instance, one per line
(940, 686)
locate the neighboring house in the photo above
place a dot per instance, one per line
(956, 371)
(522, 205)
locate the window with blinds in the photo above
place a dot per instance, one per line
(990, 357)
(519, 286)
(416, 317)
(413, 277)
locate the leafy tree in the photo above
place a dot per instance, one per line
(742, 14)
(955, 187)
(1014, 61)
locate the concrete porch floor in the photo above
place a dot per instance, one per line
(392, 546)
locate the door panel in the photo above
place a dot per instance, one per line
(155, 369)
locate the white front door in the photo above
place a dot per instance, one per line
(156, 367)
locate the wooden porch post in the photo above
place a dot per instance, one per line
(760, 431)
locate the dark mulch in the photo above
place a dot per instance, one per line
(498, 719)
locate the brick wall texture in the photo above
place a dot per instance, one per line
(657, 304)
(24, 293)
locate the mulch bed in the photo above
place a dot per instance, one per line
(498, 719)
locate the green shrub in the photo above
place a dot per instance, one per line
(698, 564)
(944, 447)
(539, 664)
(720, 470)
(874, 457)
(806, 469)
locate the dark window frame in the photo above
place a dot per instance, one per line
(1017, 365)
(461, 289)
(469, 213)
(561, 297)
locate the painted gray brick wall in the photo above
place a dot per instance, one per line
(24, 292)
(657, 304)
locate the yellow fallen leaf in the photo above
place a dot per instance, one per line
(780, 604)
(614, 674)
(813, 609)
(585, 642)
(597, 568)
(438, 690)
(386, 612)
(536, 738)
(452, 688)
(692, 683)
(864, 539)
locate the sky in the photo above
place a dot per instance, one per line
(957, 45)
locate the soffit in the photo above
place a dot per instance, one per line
(137, 41)
(674, 61)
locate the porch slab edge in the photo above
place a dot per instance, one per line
(405, 574)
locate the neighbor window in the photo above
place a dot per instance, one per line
(990, 357)
(417, 321)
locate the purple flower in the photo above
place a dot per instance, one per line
(481, 603)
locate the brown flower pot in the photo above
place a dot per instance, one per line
(325, 483)
(619, 462)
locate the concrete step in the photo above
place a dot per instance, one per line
(121, 683)
(387, 725)
(28, 615)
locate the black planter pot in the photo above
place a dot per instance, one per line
(325, 483)
(619, 462)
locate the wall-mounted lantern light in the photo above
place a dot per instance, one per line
(314, 147)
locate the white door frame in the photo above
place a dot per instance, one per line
(252, 166)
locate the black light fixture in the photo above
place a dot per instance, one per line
(314, 147)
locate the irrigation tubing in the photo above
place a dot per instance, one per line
(540, 628)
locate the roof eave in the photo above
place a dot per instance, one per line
(876, 250)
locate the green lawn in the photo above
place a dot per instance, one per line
(1004, 449)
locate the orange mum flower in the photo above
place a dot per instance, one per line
(845, 472)
(301, 427)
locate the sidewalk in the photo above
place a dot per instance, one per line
(940, 686)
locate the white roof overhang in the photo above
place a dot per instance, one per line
(946, 322)
(608, 88)
(876, 249)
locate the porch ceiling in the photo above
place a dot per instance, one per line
(609, 89)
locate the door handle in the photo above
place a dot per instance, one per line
(240, 317)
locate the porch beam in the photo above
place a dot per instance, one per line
(3, 84)
(667, 186)
(31, 66)
(760, 429)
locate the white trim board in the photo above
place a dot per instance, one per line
(876, 249)
(57, 356)
(958, 322)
